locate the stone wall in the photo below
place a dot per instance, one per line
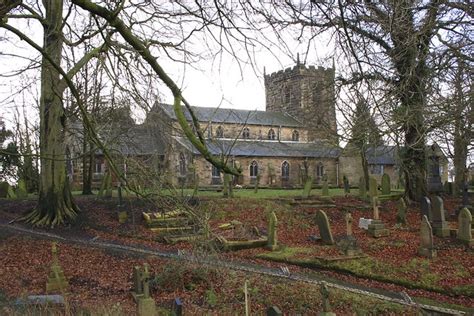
(204, 170)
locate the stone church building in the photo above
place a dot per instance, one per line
(295, 138)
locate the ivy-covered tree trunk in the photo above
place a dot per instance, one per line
(55, 204)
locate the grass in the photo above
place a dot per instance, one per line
(373, 269)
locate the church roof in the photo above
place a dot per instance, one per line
(233, 116)
(265, 148)
(381, 155)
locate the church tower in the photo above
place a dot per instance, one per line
(307, 94)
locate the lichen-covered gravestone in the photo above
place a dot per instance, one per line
(274, 311)
(372, 187)
(146, 304)
(324, 228)
(402, 212)
(426, 239)
(4, 189)
(325, 189)
(426, 208)
(325, 300)
(307, 187)
(272, 243)
(362, 188)
(347, 186)
(386, 189)
(440, 226)
(465, 228)
(56, 279)
(21, 191)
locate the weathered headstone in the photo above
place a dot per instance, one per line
(348, 219)
(325, 188)
(426, 208)
(362, 188)
(307, 187)
(426, 239)
(137, 290)
(372, 187)
(325, 301)
(402, 212)
(274, 311)
(21, 191)
(448, 188)
(272, 242)
(146, 304)
(56, 279)
(440, 225)
(324, 227)
(11, 193)
(386, 188)
(177, 309)
(377, 228)
(465, 227)
(4, 186)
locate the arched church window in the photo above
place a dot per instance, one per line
(219, 132)
(246, 133)
(285, 170)
(295, 136)
(271, 134)
(182, 164)
(254, 169)
(320, 170)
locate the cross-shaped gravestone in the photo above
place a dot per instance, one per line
(372, 187)
(56, 279)
(325, 300)
(348, 219)
(375, 207)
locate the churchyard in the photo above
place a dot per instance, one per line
(364, 240)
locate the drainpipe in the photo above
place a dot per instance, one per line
(337, 173)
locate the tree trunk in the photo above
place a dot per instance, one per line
(87, 165)
(55, 204)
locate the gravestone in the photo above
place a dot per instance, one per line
(433, 181)
(372, 187)
(465, 227)
(272, 243)
(364, 223)
(348, 243)
(377, 228)
(386, 189)
(426, 208)
(325, 188)
(137, 290)
(307, 187)
(4, 186)
(324, 227)
(448, 188)
(177, 309)
(440, 225)
(402, 212)
(146, 304)
(11, 193)
(426, 239)
(56, 279)
(274, 311)
(347, 187)
(21, 191)
(362, 188)
(325, 300)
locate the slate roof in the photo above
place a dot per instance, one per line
(138, 140)
(233, 116)
(265, 148)
(381, 155)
